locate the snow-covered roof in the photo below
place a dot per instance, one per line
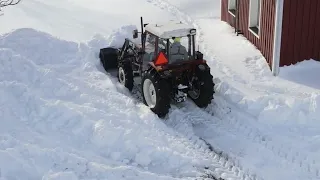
(169, 30)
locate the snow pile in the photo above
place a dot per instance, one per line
(305, 73)
(273, 108)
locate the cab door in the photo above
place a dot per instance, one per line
(150, 49)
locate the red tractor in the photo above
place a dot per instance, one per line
(165, 63)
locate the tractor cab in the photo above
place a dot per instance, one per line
(164, 65)
(168, 44)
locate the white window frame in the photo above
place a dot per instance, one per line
(232, 6)
(255, 17)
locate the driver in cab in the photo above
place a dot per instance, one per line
(177, 51)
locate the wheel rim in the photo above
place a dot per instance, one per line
(194, 94)
(121, 75)
(149, 93)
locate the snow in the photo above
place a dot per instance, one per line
(277, 117)
(82, 21)
(242, 74)
(64, 117)
(170, 29)
(304, 73)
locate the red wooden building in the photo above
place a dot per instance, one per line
(285, 31)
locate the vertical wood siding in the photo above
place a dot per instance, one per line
(300, 31)
(316, 49)
(225, 15)
(265, 42)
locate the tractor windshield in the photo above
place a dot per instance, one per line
(178, 49)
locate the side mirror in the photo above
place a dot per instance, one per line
(135, 34)
(199, 55)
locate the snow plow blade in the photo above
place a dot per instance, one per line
(109, 58)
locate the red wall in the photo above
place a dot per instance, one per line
(225, 16)
(300, 31)
(265, 42)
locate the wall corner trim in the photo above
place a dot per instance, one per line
(277, 37)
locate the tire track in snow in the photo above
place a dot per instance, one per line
(190, 117)
(219, 167)
(224, 123)
(255, 134)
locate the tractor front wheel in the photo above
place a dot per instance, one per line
(125, 75)
(155, 92)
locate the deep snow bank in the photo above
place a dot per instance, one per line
(305, 73)
(275, 108)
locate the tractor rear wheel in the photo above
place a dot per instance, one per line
(156, 93)
(203, 88)
(109, 58)
(125, 74)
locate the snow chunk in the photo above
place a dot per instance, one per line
(117, 38)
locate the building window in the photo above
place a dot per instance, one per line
(232, 7)
(254, 16)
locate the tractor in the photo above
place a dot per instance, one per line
(165, 62)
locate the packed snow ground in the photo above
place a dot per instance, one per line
(64, 118)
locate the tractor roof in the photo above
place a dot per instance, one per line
(169, 30)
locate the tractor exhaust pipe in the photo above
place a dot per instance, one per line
(141, 30)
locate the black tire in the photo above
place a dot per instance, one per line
(205, 88)
(161, 105)
(109, 58)
(125, 74)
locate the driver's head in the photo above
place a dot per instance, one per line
(176, 39)
(151, 39)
